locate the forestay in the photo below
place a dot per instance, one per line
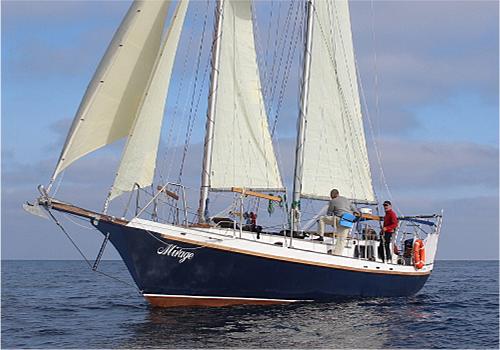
(139, 157)
(335, 154)
(243, 154)
(113, 96)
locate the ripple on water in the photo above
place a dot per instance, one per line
(451, 311)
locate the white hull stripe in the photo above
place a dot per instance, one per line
(216, 297)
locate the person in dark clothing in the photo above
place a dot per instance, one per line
(390, 225)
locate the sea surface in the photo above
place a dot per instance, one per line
(62, 304)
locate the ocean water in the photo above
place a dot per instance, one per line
(62, 304)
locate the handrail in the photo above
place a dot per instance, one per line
(162, 189)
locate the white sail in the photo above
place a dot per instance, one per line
(335, 154)
(243, 154)
(139, 157)
(110, 104)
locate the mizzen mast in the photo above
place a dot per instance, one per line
(301, 132)
(209, 126)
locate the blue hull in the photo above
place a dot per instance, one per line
(224, 274)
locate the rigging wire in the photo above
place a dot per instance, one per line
(193, 112)
(375, 67)
(173, 132)
(376, 148)
(378, 154)
(83, 255)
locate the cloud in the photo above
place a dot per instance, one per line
(426, 53)
(438, 166)
(467, 222)
(60, 13)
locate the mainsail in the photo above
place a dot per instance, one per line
(335, 154)
(243, 154)
(112, 99)
(139, 157)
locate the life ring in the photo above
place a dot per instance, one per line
(418, 254)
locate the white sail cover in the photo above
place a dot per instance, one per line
(335, 154)
(112, 99)
(243, 154)
(139, 157)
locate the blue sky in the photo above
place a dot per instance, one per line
(437, 129)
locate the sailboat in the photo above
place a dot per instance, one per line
(221, 261)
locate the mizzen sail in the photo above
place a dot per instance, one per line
(335, 154)
(243, 154)
(139, 157)
(110, 104)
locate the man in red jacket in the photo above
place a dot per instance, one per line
(390, 225)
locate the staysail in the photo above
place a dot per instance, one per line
(335, 154)
(243, 154)
(139, 157)
(112, 99)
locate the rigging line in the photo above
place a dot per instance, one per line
(375, 67)
(347, 118)
(269, 74)
(262, 106)
(260, 51)
(347, 113)
(358, 132)
(284, 39)
(120, 280)
(58, 183)
(82, 254)
(193, 121)
(68, 236)
(192, 116)
(331, 54)
(375, 145)
(266, 57)
(170, 142)
(292, 49)
(290, 57)
(68, 216)
(333, 25)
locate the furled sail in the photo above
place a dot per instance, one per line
(243, 154)
(335, 154)
(139, 157)
(112, 99)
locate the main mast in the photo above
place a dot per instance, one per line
(209, 127)
(301, 132)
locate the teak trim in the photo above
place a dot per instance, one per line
(71, 209)
(255, 194)
(168, 193)
(370, 217)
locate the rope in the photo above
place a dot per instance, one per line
(83, 255)
(59, 183)
(375, 146)
(375, 65)
(68, 216)
(194, 111)
(171, 139)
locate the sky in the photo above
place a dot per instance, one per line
(431, 65)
